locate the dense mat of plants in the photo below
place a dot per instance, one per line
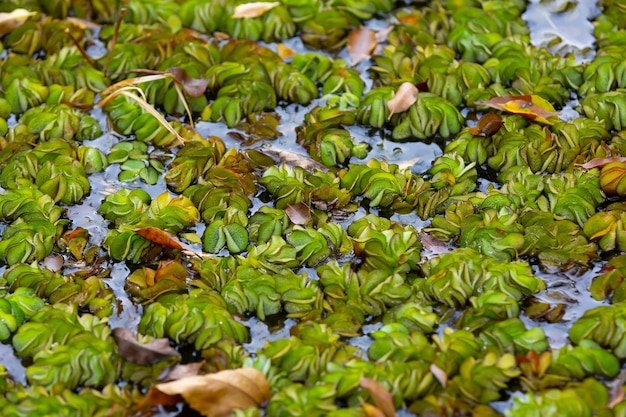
(453, 313)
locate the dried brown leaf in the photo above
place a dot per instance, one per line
(382, 398)
(181, 371)
(361, 43)
(11, 21)
(194, 87)
(383, 34)
(530, 106)
(439, 374)
(160, 237)
(404, 98)
(299, 213)
(256, 9)
(600, 162)
(214, 395)
(488, 125)
(434, 245)
(371, 411)
(142, 353)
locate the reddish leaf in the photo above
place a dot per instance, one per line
(530, 106)
(214, 395)
(194, 87)
(403, 99)
(361, 43)
(160, 237)
(600, 162)
(142, 353)
(382, 398)
(256, 9)
(488, 125)
(299, 213)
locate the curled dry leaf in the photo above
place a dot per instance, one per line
(142, 353)
(361, 43)
(530, 106)
(255, 9)
(13, 20)
(160, 237)
(600, 162)
(214, 395)
(404, 98)
(434, 245)
(487, 126)
(194, 87)
(299, 213)
(381, 397)
(439, 374)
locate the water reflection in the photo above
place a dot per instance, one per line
(563, 26)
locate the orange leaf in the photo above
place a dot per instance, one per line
(361, 43)
(382, 398)
(160, 237)
(284, 51)
(403, 99)
(256, 9)
(530, 106)
(214, 395)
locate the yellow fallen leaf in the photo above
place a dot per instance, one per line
(284, 51)
(530, 106)
(403, 99)
(13, 20)
(214, 395)
(255, 9)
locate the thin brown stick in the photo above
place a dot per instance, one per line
(118, 23)
(80, 48)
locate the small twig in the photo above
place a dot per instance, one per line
(80, 48)
(118, 23)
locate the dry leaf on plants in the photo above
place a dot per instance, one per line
(617, 390)
(142, 353)
(160, 237)
(255, 9)
(284, 51)
(214, 395)
(403, 99)
(181, 371)
(600, 162)
(487, 126)
(299, 213)
(381, 397)
(530, 106)
(13, 20)
(361, 43)
(53, 262)
(194, 87)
